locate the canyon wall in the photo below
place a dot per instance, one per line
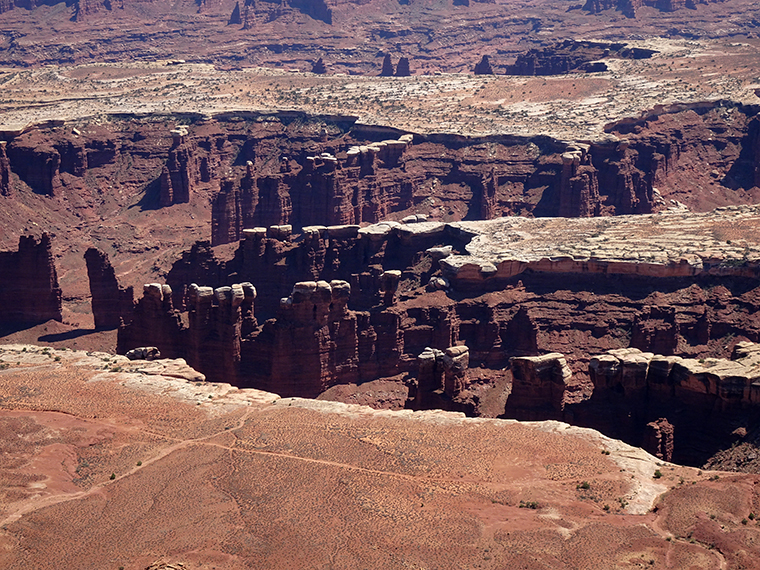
(292, 169)
(112, 305)
(29, 292)
(394, 301)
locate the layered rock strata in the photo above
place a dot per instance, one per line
(262, 170)
(683, 409)
(571, 55)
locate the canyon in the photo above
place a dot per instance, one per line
(366, 283)
(437, 302)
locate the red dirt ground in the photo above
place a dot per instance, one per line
(215, 479)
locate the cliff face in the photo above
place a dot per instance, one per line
(111, 305)
(630, 7)
(378, 302)
(678, 408)
(303, 171)
(388, 265)
(29, 292)
(567, 56)
(5, 172)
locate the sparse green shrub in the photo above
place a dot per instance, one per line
(657, 474)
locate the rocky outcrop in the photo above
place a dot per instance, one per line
(402, 68)
(343, 173)
(630, 7)
(48, 161)
(155, 322)
(314, 342)
(666, 245)
(541, 387)
(29, 291)
(84, 9)
(5, 171)
(182, 167)
(323, 190)
(579, 185)
(570, 55)
(235, 17)
(144, 353)
(112, 305)
(218, 320)
(387, 70)
(658, 439)
(704, 400)
(483, 67)
(319, 67)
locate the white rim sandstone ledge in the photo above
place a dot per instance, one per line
(675, 243)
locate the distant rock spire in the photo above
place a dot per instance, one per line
(402, 69)
(387, 70)
(319, 67)
(235, 16)
(484, 67)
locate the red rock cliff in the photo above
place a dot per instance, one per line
(29, 291)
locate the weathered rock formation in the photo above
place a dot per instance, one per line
(144, 353)
(5, 171)
(630, 7)
(182, 168)
(29, 292)
(155, 322)
(112, 305)
(263, 170)
(387, 70)
(83, 9)
(570, 55)
(483, 67)
(235, 17)
(402, 68)
(319, 67)
(531, 302)
(658, 439)
(326, 187)
(680, 408)
(541, 386)
(313, 343)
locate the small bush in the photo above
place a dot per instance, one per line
(657, 474)
(139, 463)
(528, 505)
(752, 516)
(113, 476)
(585, 485)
